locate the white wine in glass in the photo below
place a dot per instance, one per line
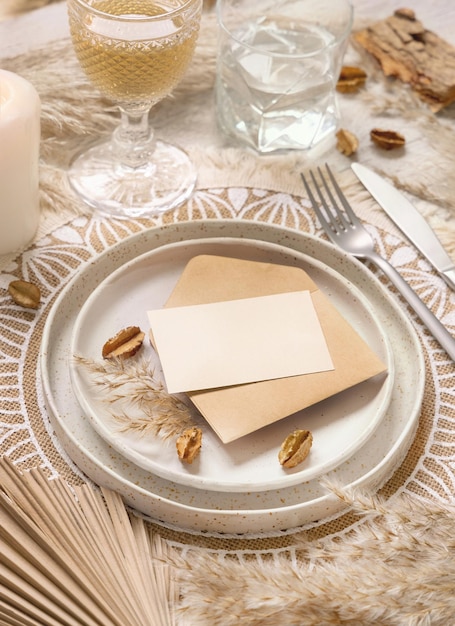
(134, 52)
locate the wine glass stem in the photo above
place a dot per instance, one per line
(134, 138)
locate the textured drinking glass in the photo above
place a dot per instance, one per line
(134, 52)
(278, 64)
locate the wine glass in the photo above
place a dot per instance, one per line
(134, 52)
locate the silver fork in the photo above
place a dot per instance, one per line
(344, 228)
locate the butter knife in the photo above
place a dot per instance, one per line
(409, 221)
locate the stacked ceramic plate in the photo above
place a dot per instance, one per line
(360, 435)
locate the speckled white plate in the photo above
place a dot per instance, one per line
(340, 425)
(231, 512)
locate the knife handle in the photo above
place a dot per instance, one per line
(449, 277)
(439, 332)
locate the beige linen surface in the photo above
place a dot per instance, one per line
(233, 184)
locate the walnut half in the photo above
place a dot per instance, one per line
(350, 79)
(189, 444)
(124, 344)
(347, 142)
(387, 139)
(295, 448)
(25, 294)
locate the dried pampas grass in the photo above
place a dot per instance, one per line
(124, 384)
(75, 556)
(397, 568)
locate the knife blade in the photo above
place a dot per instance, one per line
(409, 221)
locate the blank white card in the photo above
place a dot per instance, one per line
(206, 346)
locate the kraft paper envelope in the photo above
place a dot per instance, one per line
(239, 410)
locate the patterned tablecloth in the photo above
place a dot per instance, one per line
(264, 191)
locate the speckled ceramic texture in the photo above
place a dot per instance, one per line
(211, 511)
(340, 425)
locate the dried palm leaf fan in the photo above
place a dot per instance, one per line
(72, 556)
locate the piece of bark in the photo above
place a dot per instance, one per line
(406, 50)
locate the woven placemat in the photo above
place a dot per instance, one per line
(54, 260)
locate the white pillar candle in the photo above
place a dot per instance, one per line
(20, 110)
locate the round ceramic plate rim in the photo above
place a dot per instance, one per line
(205, 482)
(245, 521)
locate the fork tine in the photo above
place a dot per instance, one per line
(318, 189)
(325, 223)
(340, 214)
(335, 220)
(308, 190)
(331, 217)
(347, 207)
